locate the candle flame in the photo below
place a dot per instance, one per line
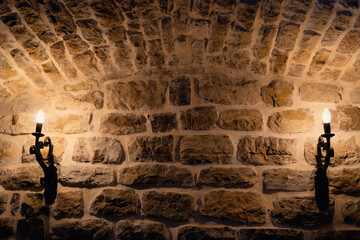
(40, 116)
(326, 116)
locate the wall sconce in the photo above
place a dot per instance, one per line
(49, 181)
(322, 163)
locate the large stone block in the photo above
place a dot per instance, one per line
(270, 10)
(31, 228)
(266, 150)
(286, 35)
(241, 120)
(278, 93)
(350, 43)
(286, 179)
(291, 121)
(320, 92)
(86, 176)
(307, 45)
(300, 212)
(122, 124)
(22, 178)
(155, 175)
(198, 232)
(115, 203)
(81, 229)
(269, 233)
(136, 95)
(90, 31)
(241, 207)
(229, 91)
(7, 152)
(338, 26)
(199, 118)
(33, 204)
(69, 204)
(169, 205)
(163, 122)
(180, 91)
(319, 60)
(206, 149)
(350, 211)
(344, 181)
(278, 61)
(219, 176)
(347, 152)
(296, 11)
(70, 123)
(146, 149)
(264, 41)
(347, 118)
(139, 229)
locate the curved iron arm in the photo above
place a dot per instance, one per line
(50, 180)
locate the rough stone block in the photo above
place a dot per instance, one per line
(320, 92)
(122, 124)
(69, 204)
(7, 152)
(169, 205)
(33, 204)
(237, 59)
(219, 28)
(81, 229)
(163, 122)
(291, 121)
(220, 89)
(287, 35)
(136, 95)
(242, 207)
(269, 233)
(351, 74)
(264, 41)
(319, 60)
(206, 149)
(266, 151)
(336, 234)
(244, 177)
(278, 93)
(278, 61)
(91, 31)
(199, 118)
(70, 123)
(3, 201)
(344, 181)
(296, 10)
(139, 229)
(180, 91)
(270, 10)
(286, 179)
(33, 227)
(301, 212)
(347, 118)
(350, 43)
(115, 203)
(198, 232)
(350, 211)
(15, 203)
(307, 44)
(150, 175)
(347, 152)
(329, 74)
(86, 176)
(241, 120)
(6, 228)
(148, 149)
(21, 178)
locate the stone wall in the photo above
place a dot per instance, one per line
(179, 119)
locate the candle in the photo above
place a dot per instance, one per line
(326, 118)
(39, 120)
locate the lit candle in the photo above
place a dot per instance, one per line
(326, 118)
(39, 120)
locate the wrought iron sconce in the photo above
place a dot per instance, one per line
(322, 163)
(50, 179)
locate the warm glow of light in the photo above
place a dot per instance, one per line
(326, 116)
(40, 116)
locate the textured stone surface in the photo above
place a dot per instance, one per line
(115, 203)
(350, 212)
(69, 204)
(163, 122)
(242, 207)
(316, 92)
(336, 234)
(350, 43)
(21, 178)
(33, 204)
(285, 179)
(3, 201)
(7, 152)
(86, 176)
(70, 123)
(199, 232)
(6, 228)
(291, 121)
(268, 233)
(170, 205)
(286, 35)
(347, 118)
(344, 181)
(32, 228)
(219, 176)
(139, 229)
(278, 93)
(180, 92)
(300, 211)
(307, 45)
(15, 203)
(241, 120)
(199, 118)
(266, 151)
(78, 229)
(137, 95)
(146, 149)
(205, 149)
(347, 152)
(120, 124)
(155, 175)
(224, 90)
(264, 40)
